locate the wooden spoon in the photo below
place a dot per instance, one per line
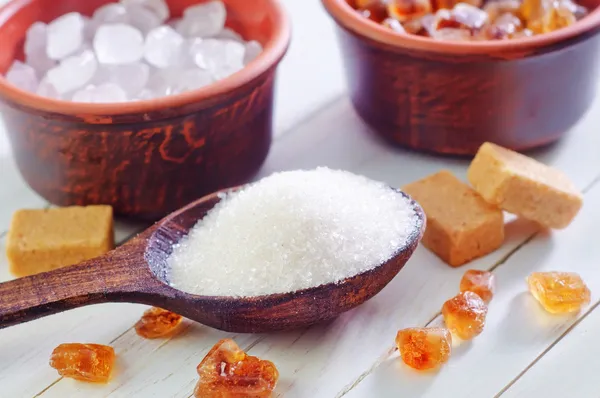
(137, 272)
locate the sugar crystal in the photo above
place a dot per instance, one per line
(229, 34)
(291, 231)
(157, 7)
(73, 72)
(47, 89)
(35, 48)
(65, 35)
(163, 47)
(130, 77)
(110, 13)
(105, 93)
(142, 18)
(203, 20)
(133, 45)
(22, 76)
(117, 44)
(253, 50)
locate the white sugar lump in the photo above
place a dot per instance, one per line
(203, 20)
(65, 35)
(158, 7)
(110, 13)
(35, 48)
(47, 89)
(191, 79)
(22, 76)
(163, 47)
(291, 231)
(118, 44)
(132, 78)
(229, 34)
(253, 50)
(134, 46)
(142, 18)
(221, 57)
(73, 72)
(105, 93)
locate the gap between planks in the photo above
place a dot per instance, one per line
(494, 266)
(547, 350)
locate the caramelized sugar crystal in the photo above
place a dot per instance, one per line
(228, 372)
(85, 362)
(482, 283)
(449, 4)
(462, 16)
(499, 7)
(543, 16)
(394, 25)
(157, 322)
(465, 314)
(403, 10)
(559, 292)
(375, 10)
(420, 26)
(424, 348)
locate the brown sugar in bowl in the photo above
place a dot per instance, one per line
(144, 158)
(450, 97)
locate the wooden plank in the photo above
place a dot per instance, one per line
(517, 329)
(568, 369)
(323, 360)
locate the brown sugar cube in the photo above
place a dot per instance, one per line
(461, 225)
(524, 186)
(46, 239)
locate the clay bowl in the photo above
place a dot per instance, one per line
(450, 97)
(146, 158)
(137, 272)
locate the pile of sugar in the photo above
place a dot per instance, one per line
(291, 231)
(127, 51)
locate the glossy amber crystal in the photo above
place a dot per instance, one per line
(559, 292)
(482, 283)
(85, 362)
(157, 322)
(424, 348)
(465, 314)
(228, 372)
(404, 10)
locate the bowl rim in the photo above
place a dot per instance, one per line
(347, 17)
(273, 51)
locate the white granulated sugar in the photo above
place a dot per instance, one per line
(291, 231)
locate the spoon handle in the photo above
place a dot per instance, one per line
(108, 278)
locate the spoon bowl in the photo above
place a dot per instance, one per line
(137, 272)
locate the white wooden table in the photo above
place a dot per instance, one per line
(523, 352)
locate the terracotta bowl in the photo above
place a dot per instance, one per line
(450, 97)
(144, 158)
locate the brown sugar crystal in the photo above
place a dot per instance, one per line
(157, 322)
(482, 283)
(46, 239)
(524, 186)
(85, 362)
(424, 348)
(559, 292)
(461, 226)
(465, 314)
(228, 372)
